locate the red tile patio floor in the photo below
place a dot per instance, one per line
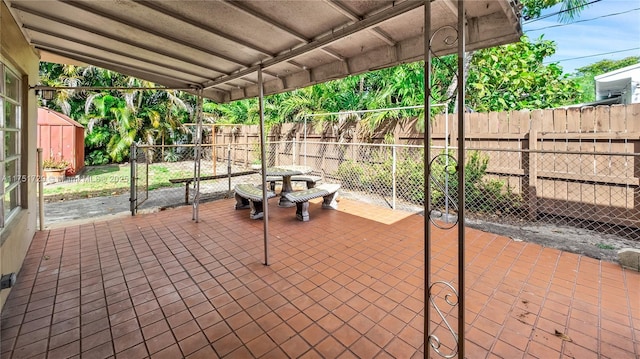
(343, 285)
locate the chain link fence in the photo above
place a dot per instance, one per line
(592, 190)
(585, 189)
(164, 174)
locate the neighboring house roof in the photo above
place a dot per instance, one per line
(50, 117)
(220, 45)
(623, 83)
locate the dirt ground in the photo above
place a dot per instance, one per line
(571, 239)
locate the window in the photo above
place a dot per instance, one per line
(10, 101)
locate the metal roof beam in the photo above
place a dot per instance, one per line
(452, 6)
(154, 5)
(297, 64)
(334, 54)
(166, 36)
(102, 48)
(238, 5)
(123, 40)
(343, 9)
(265, 18)
(105, 63)
(326, 40)
(98, 88)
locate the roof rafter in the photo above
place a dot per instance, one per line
(156, 7)
(153, 32)
(105, 63)
(262, 17)
(343, 9)
(102, 48)
(121, 39)
(452, 6)
(326, 40)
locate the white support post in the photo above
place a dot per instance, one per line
(393, 176)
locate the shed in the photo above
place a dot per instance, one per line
(60, 136)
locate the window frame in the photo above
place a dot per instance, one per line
(10, 122)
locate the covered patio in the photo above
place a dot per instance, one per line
(348, 283)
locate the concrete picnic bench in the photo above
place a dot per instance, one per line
(310, 180)
(188, 180)
(250, 196)
(328, 191)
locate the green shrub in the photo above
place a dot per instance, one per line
(482, 195)
(170, 156)
(410, 180)
(97, 158)
(351, 174)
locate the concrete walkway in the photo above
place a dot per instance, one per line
(78, 211)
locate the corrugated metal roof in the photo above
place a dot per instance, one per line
(219, 45)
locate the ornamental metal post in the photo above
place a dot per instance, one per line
(450, 36)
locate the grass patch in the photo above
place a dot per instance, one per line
(605, 246)
(110, 180)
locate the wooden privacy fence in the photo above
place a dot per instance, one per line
(581, 163)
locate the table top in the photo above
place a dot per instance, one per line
(287, 170)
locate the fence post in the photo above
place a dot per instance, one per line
(636, 174)
(530, 166)
(293, 148)
(393, 176)
(132, 179)
(278, 151)
(246, 149)
(229, 168)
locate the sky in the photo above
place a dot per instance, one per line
(579, 43)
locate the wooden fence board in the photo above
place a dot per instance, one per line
(633, 117)
(493, 124)
(559, 120)
(547, 159)
(587, 120)
(617, 119)
(602, 119)
(588, 197)
(547, 121)
(574, 192)
(573, 120)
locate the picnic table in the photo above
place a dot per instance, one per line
(286, 172)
